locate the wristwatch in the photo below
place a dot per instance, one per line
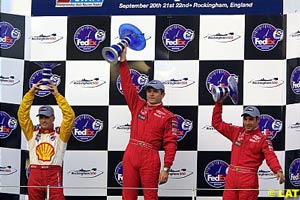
(166, 169)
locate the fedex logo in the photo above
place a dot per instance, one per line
(6, 39)
(219, 177)
(86, 132)
(177, 42)
(88, 42)
(265, 41)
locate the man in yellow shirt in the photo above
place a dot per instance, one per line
(46, 144)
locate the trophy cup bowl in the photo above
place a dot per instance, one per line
(130, 36)
(46, 74)
(219, 92)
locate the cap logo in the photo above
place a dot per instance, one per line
(249, 109)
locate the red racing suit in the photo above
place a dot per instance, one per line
(46, 149)
(248, 151)
(151, 127)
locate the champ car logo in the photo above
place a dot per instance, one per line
(124, 127)
(209, 128)
(51, 38)
(8, 80)
(87, 38)
(86, 173)
(184, 126)
(8, 35)
(267, 83)
(295, 126)
(294, 172)
(265, 37)
(88, 83)
(295, 80)
(8, 170)
(38, 75)
(295, 35)
(7, 124)
(86, 127)
(176, 37)
(139, 80)
(266, 174)
(119, 173)
(215, 173)
(223, 38)
(269, 126)
(178, 83)
(179, 173)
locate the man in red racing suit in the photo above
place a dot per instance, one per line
(152, 125)
(249, 148)
(46, 144)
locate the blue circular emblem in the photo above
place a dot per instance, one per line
(221, 78)
(218, 77)
(87, 38)
(269, 126)
(119, 173)
(294, 172)
(8, 35)
(184, 126)
(138, 79)
(215, 173)
(265, 37)
(7, 124)
(37, 76)
(295, 80)
(176, 37)
(86, 127)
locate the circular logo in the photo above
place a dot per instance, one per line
(294, 172)
(87, 38)
(86, 127)
(215, 173)
(184, 126)
(176, 37)
(138, 79)
(265, 37)
(269, 126)
(7, 124)
(37, 76)
(119, 173)
(295, 80)
(8, 35)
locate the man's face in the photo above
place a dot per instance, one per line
(250, 123)
(154, 96)
(46, 122)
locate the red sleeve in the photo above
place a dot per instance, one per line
(270, 156)
(224, 128)
(130, 93)
(170, 141)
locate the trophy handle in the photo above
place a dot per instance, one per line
(233, 88)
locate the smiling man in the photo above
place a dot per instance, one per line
(46, 144)
(249, 148)
(152, 126)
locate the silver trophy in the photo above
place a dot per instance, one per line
(46, 76)
(130, 36)
(232, 89)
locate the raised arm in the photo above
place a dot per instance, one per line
(24, 111)
(68, 114)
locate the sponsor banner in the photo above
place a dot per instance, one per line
(153, 7)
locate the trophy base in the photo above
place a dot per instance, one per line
(218, 92)
(110, 55)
